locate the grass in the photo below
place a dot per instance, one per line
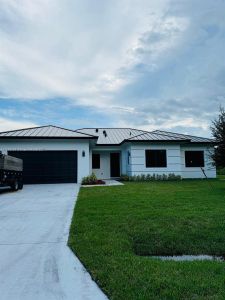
(115, 229)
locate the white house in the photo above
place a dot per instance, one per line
(53, 154)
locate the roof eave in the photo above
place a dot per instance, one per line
(47, 137)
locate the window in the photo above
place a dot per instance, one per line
(194, 159)
(95, 161)
(155, 158)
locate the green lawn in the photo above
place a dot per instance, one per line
(115, 230)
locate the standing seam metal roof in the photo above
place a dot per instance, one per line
(116, 136)
(104, 136)
(49, 131)
(193, 139)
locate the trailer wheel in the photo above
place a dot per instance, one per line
(15, 185)
(20, 186)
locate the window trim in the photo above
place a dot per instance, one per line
(185, 159)
(155, 167)
(99, 162)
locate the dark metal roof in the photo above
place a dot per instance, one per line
(104, 136)
(113, 136)
(49, 131)
(150, 136)
(117, 136)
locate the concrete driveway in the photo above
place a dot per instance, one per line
(35, 262)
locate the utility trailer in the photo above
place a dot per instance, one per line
(11, 172)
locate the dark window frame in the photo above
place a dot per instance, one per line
(152, 161)
(194, 162)
(96, 161)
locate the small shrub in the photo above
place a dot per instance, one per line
(91, 179)
(153, 177)
(143, 177)
(164, 177)
(149, 177)
(133, 178)
(124, 177)
(172, 177)
(138, 178)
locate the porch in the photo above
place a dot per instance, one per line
(106, 164)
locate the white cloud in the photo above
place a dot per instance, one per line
(72, 48)
(146, 63)
(8, 124)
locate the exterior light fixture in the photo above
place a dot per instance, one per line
(83, 153)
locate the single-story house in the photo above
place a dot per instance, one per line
(53, 154)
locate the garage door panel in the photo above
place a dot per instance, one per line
(48, 166)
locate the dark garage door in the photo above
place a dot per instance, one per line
(48, 166)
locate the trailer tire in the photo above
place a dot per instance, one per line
(15, 185)
(20, 185)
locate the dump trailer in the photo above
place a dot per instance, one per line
(11, 172)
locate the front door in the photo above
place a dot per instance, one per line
(115, 164)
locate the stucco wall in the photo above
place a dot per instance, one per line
(175, 160)
(41, 145)
(138, 166)
(209, 169)
(104, 171)
(126, 167)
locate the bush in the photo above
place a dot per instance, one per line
(221, 171)
(124, 177)
(91, 179)
(149, 177)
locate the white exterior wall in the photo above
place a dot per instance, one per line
(104, 171)
(138, 166)
(44, 145)
(125, 167)
(209, 169)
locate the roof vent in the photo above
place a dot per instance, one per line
(96, 130)
(130, 133)
(105, 133)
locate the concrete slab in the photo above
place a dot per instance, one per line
(35, 262)
(108, 182)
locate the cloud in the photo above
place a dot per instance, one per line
(70, 48)
(8, 124)
(153, 64)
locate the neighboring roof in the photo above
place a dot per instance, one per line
(49, 131)
(117, 136)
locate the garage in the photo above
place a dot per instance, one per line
(48, 166)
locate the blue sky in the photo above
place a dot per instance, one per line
(149, 64)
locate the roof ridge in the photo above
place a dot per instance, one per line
(24, 129)
(71, 130)
(150, 132)
(142, 131)
(45, 126)
(129, 128)
(136, 135)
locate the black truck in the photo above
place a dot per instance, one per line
(11, 172)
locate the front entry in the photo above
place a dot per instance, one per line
(115, 164)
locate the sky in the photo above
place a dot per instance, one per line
(146, 64)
